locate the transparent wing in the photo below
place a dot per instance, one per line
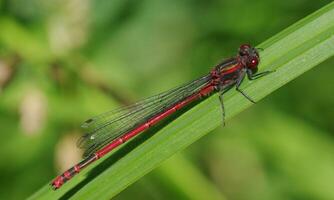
(104, 128)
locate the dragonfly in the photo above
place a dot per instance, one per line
(109, 130)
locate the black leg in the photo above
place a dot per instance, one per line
(222, 106)
(259, 49)
(222, 89)
(237, 87)
(252, 76)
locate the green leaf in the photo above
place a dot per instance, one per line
(292, 52)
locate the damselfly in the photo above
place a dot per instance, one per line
(109, 130)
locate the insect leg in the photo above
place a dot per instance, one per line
(222, 106)
(252, 76)
(237, 87)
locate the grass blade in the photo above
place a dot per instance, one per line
(292, 52)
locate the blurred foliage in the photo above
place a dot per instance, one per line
(64, 61)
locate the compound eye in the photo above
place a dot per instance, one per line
(253, 63)
(245, 46)
(243, 49)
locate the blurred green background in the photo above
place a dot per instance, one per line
(62, 62)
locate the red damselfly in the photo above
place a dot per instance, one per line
(109, 130)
